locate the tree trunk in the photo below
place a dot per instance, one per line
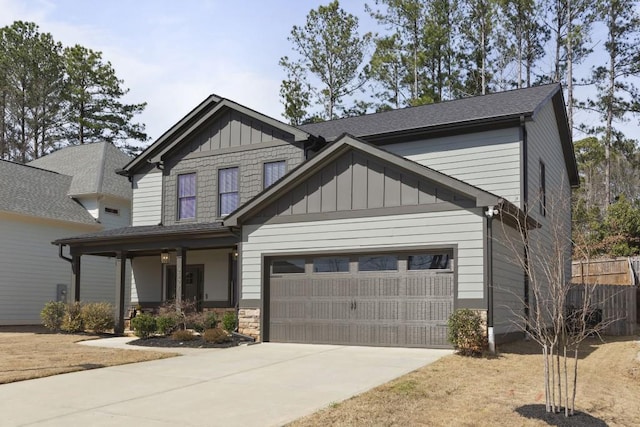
(609, 109)
(566, 384)
(547, 389)
(569, 66)
(575, 380)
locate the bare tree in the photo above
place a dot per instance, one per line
(541, 247)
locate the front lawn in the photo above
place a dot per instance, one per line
(31, 352)
(459, 391)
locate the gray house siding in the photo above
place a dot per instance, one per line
(489, 160)
(250, 177)
(358, 182)
(543, 147)
(233, 130)
(232, 140)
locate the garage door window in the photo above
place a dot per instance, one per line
(288, 266)
(429, 262)
(331, 265)
(378, 263)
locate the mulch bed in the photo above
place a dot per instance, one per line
(196, 343)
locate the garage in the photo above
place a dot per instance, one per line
(377, 299)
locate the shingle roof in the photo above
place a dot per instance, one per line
(146, 231)
(496, 105)
(92, 168)
(36, 192)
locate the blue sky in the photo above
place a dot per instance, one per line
(173, 54)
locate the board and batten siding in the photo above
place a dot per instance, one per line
(391, 232)
(544, 145)
(147, 199)
(489, 160)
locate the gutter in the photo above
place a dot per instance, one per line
(69, 260)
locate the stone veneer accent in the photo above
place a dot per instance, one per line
(249, 322)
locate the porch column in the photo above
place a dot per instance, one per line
(121, 269)
(181, 268)
(75, 277)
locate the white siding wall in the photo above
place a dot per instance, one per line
(147, 199)
(91, 204)
(508, 279)
(489, 160)
(463, 228)
(110, 220)
(216, 272)
(30, 269)
(147, 275)
(146, 279)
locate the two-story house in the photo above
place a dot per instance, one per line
(367, 230)
(70, 191)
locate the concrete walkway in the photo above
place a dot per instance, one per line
(258, 385)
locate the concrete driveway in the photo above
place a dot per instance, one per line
(258, 385)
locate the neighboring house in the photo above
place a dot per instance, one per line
(71, 191)
(367, 230)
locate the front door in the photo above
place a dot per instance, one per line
(192, 287)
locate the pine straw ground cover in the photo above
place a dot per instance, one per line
(459, 391)
(31, 352)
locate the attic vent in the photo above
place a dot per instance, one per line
(113, 211)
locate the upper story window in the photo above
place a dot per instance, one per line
(187, 196)
(273, 171)
(228, 190)
(543, 190)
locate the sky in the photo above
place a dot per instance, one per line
(172, 54)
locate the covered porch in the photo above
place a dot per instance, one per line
(194, 262)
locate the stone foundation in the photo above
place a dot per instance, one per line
(249, 322)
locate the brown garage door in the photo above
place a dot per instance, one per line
(369, 299)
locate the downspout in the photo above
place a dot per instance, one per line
(69, 260)
(489, 213)
(525, 208)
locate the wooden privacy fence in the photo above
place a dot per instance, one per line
(619, 305)
(616, 271)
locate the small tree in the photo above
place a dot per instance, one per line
(542, 249)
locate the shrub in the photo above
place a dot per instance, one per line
(183, 335)
(211, 320)
(166, 324)
(144, 325)
(229, 321)
(216, 335)
(195, 320)
(466, 332)
(72, 322)
(98, 316)
(52, 315)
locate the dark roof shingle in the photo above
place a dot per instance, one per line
(40, 193)
(477, 108)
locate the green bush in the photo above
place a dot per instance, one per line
(166, 324)
(229, 321)
(183, 335)
(466, 332)
(72, 322)
(52, 315)
(216, 335)
(98, 317)
(144, 325)
(211, 320)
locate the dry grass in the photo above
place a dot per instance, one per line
(459, 391)
(31, 352)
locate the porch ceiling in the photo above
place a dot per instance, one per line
(151, 239)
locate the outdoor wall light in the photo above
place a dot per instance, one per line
(164, 257)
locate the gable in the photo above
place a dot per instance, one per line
(358, 181)
(231, 129)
